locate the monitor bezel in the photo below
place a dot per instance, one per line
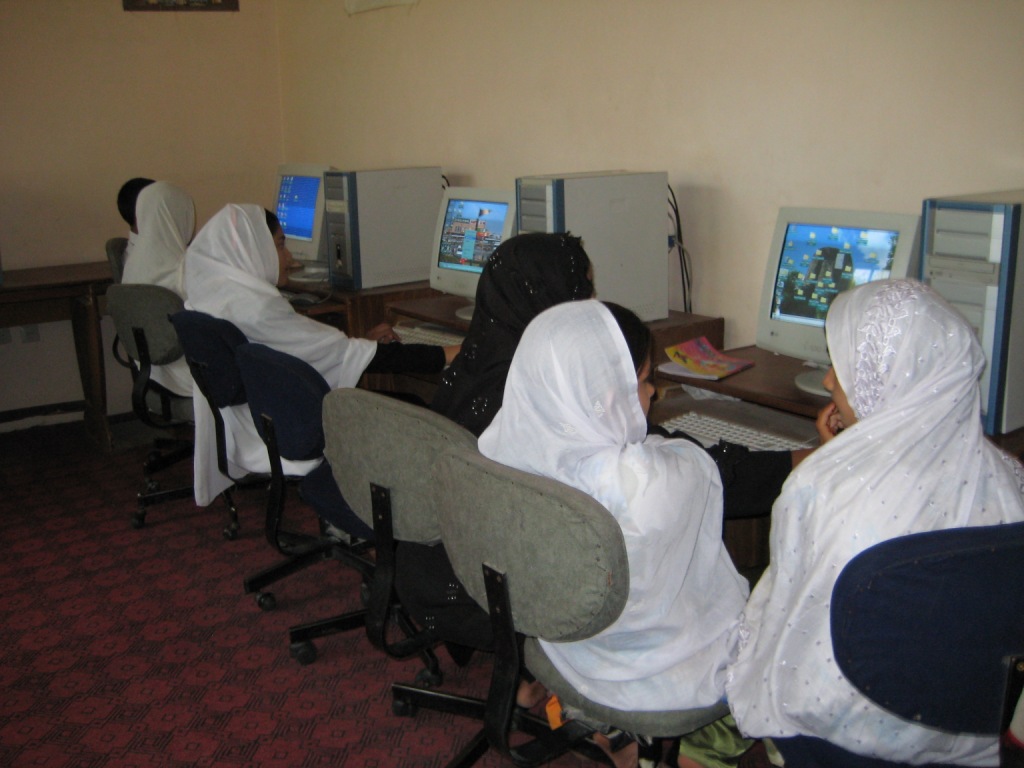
(806, 341)
(463, 282)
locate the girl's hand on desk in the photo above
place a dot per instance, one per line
(383, 334)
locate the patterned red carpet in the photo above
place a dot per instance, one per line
(138, 648)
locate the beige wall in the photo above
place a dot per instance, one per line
(91, 96)
(747, 104)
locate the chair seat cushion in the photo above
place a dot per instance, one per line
(668, 723)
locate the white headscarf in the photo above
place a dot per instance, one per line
(916, 460)
(571, 413)
(166, 221)
(166, 218)
(230, 272)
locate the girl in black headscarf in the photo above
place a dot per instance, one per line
(525, 275)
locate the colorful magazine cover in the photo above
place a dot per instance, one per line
(698, 359)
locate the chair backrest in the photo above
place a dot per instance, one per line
(562, 553)
(290, 392)
(210, 343)
(147, 307)
(116, 247)
(923, 624)
(372, 438)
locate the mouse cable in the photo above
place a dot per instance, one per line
(684, 255)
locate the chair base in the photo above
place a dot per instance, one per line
(546, 745)
(499, 713)
(311, 552)
(154, 497)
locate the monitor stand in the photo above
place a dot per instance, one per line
(812, 382)
(466, 312)
(311, 272)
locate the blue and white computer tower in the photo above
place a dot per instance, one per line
(970, 253)
(380, 224)
(622, 218)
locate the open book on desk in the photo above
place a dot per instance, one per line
(698, 359)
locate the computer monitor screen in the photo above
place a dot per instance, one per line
(816, 254)
(299, 208)
(471, 223)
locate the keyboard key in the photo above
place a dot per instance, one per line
(428, 334)
(709, 430)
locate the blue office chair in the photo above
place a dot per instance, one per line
(140, 314)
(931, 628)
(285, 398)
(209, 343)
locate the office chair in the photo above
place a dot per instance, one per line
(930, 627)
(140, 314)
(285, 398)
(209, 343)
(550, 563)
(115, 255)
(381, 451)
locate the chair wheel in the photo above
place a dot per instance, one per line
(230, 532)
(152, 486)
(304, 652)
(266, 601)
(138, 520)
(403, 708)
(429, 678)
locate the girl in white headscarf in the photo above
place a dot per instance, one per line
(166, 219)
(574, 410)
(232, 272)
(908, 455)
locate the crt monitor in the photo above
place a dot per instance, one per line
(300, 209)
(815, 254)
(471, 223)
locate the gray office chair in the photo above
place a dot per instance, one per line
(382, 451)
(115, 255)
(550, 563)
(140, 314)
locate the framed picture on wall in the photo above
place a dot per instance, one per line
(180, 5)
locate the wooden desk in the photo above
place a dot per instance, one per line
(769, 382)
(67, 292)
(75, 292)
(356, 312)
(440, 308)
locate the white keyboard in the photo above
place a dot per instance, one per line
(429, 334)
(709, 430)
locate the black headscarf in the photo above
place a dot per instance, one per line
(524, 276)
